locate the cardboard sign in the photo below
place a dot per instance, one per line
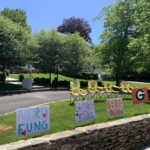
(139, 95)
(84, 111)
(114, 107)
(32, 120)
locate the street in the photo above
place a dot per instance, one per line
(12, 102)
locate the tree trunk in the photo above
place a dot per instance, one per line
(3, 76)
(117, 78)
(50, 77)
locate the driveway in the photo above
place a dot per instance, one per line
(12, 102)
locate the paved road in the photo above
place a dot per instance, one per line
(12, 102)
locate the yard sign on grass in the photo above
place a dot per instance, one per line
(114, 107)
(84, 111)
(32, 120)
(139, 95)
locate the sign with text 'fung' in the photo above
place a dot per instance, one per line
(32, 120)
(114, 107)
(84, 111)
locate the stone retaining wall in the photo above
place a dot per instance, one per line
(124, 134)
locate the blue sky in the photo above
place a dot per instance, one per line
(47, 14)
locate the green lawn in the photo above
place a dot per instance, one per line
(64, 119)
(41, 75)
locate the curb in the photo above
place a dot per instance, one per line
(6, 93)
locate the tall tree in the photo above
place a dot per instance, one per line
(140, 42)
(76, 54)
(13, 39)
(49, 51)
(72, 25)
(16, 15)
(115, 37)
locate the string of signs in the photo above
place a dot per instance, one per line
(36, 119)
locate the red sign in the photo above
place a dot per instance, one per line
(139, 95)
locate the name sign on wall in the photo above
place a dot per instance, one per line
(84, 111)
(114, 107)
(32, 120)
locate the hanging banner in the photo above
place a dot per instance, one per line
(139, 95)
(32, 120)
(114, 107)
(84, 111)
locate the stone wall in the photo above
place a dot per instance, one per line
(123, 134)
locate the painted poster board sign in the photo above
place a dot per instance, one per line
(114, 107)
(139, 95)
(32, 120)
(27, 83)
(84, 111)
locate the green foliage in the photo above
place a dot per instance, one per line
(49, 51)
(16, 15)
(124, 46)
(140, 42)
(75, 55)
(73, 25)
(21, 77)
(12, 42)
(88, 75)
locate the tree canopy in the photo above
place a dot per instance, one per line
(72, 25)
(16, 15)
(12, 42)
(122, 35)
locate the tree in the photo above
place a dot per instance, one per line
(140, 42)
(118, 25)
(76, 54)
(13, 39)
(49, 51)
(16, 15)
(72, 25)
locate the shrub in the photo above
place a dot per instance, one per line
(21, 77)
(7, 72)
(99, 83)
(64, 83)
(88, 75)
(42, 81)
(83, 83)
(2, 77)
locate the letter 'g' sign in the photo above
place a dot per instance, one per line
(139, 95)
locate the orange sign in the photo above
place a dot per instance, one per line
(139, 95)
(114, 107)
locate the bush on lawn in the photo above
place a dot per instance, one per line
(88, 76)
(21, 77)
(42, 81)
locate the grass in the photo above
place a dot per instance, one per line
(41, 75)
(64, 119)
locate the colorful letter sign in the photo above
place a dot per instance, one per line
(32, 120)
(114, 107)
(84, 111)
(139, 95)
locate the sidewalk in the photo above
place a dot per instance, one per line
(35, 88)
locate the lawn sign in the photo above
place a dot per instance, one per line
(139, 95)
(114, 107)
(84, 111)
(32, 120)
